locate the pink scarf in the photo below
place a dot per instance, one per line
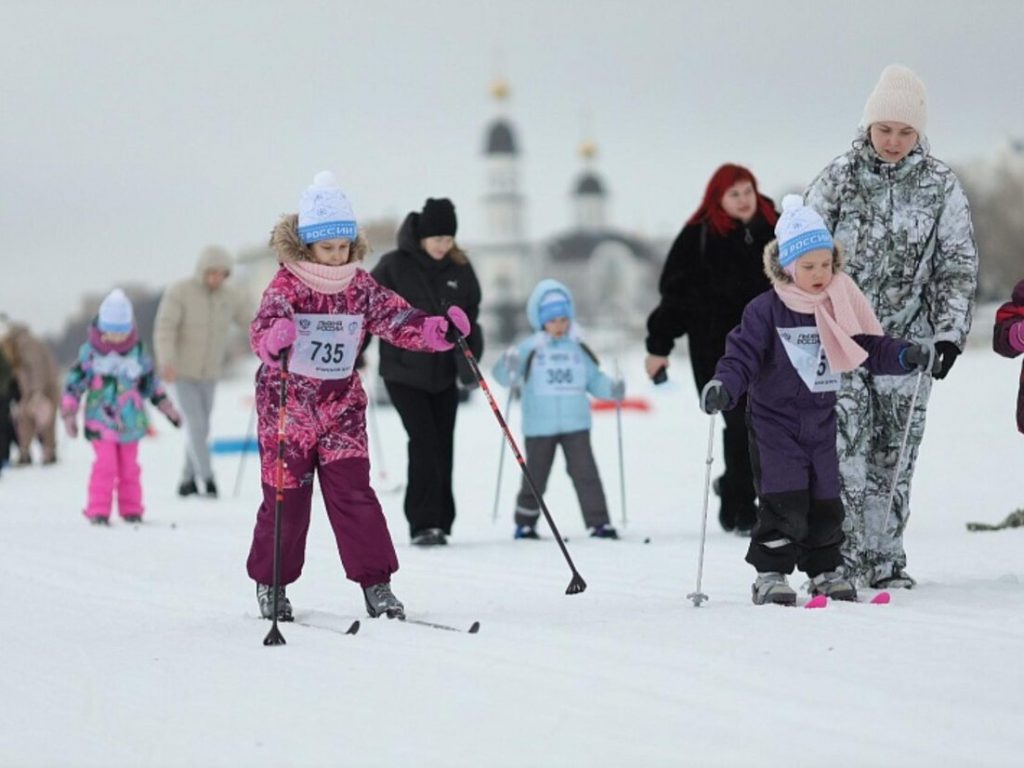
(840, 312)
(323, 278)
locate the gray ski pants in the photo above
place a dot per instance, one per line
(579, 461)
(195, 399)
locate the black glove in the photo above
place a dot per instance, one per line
(946, 353)
(714, 398)
(921, 357)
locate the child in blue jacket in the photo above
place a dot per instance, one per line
(554, 371)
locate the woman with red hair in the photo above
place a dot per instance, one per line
(713, 269)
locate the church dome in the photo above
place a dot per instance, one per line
(589, 184)
(500, 139)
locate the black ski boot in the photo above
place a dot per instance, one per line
(265, 596)
(381, 600)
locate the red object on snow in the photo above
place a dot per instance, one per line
(628, 404)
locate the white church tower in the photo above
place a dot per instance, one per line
(503, 259)
(589, 195)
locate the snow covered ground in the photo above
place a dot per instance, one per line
(140, 646)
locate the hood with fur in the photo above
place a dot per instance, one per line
(780, 276)
(288, 246)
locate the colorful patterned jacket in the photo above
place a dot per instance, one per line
(116, 380)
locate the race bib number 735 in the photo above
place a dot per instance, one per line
(326, 345)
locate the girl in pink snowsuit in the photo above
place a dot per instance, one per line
(317, 310)
(115, 373)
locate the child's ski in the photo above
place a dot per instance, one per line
(820, 601)
(473, 628)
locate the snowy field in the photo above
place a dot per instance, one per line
(140, 646)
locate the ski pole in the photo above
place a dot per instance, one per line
(245, 449)
(274, 636)
(622, 470)
(501, 458)
(382, 473)
(577, 584)
(903, 443)
(697, 596)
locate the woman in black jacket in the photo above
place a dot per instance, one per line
(713, 269)
(430, 272)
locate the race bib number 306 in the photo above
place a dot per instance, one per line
(326, 345)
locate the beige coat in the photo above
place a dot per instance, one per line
(192, 321)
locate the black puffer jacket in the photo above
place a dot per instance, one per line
(432, 286)
(704, 287)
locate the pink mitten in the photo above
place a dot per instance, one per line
(460, 319)
(1017, 336)
(166, 407)
(280, 335)
(434, 330)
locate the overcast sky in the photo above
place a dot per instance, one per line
(134, 133)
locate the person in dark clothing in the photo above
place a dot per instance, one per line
(713, 269)
(788, 353)
(430, 272)
(8, 394)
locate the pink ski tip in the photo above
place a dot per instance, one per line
(818, 601)
(882, 598)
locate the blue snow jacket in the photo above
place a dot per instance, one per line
(561, 374)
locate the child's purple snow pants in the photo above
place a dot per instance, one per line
(360, 529)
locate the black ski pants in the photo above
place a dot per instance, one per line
(429, 421)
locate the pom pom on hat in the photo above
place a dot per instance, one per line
(800, 230)
(325, 212)
(116, 314)
(899, 97)
(437, 218)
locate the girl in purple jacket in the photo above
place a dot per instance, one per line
(317, 310)
(787, 355)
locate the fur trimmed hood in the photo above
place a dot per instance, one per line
(779, 276)
(288, 246)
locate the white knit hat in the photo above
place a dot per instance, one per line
(116, 315)
(800, 230)
(325, 212)
(900, 97)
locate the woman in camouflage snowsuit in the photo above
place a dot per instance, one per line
(904, 222)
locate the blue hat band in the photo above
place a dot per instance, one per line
(328, 230)
(553, 311)
(114, 327)
(791, 250)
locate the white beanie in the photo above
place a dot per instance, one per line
(899, 97)
(800, 229)
(325, 212)
(116, 315)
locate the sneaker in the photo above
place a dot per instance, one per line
(265, 596)
(132, 518)
(188, 488)
(892, 578)
(211, 488)
(526, 532)
(429, 537)
(603, 531)
(834, 585)
(99, 520)
(381, 600)
(771, 587)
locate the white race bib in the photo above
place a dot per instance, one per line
(803, 346)
(326, 346)
(558, 372)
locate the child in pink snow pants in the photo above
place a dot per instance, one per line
(116, 374)
(317, 310)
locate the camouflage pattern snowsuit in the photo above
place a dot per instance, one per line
(909, 242)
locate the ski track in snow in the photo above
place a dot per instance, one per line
(138, 646)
